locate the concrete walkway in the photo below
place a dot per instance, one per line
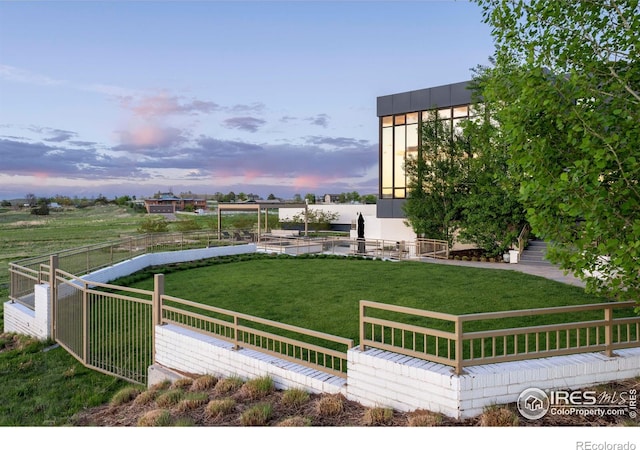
(549, 271)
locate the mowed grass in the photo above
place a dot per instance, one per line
(323, 294)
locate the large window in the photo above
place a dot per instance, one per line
(399, 142)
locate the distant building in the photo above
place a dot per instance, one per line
(168, 203)
(331, 198)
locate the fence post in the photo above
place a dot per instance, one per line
(608, 330)
(362, 312)
(236, 335)
(85, 323)
(459, 352)
(156, 310)
(53, 294)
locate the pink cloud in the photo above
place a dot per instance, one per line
(309, 181)
(163, 105)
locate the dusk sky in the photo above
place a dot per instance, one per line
(262, 97)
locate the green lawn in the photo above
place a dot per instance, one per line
(323, 293)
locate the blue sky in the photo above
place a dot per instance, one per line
(262, 97)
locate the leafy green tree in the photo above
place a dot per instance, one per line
(436, 181)
(311, 198)
(491, 213)
(568, 77)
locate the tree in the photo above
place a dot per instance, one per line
(568, 77)
(491, 213)
(41, 208)
(271, 197)
(436, 181)
(311, 198)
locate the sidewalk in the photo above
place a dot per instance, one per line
(543, 270)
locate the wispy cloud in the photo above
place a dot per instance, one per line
(19, 75)
(251, 124)
(163, 105)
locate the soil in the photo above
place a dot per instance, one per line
(351, 414)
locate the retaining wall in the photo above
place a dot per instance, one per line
(386, 379)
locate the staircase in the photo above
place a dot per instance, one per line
(534, 253)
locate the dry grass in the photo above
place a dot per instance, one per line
(295, 421)
(124, 395)
(170, 398)
(192, 400)
(257, 388)
(422, 418)
(228, 385)
(499, 417)
(295, 398)
(257, 415)
(220, 407)
(377, 416)
(145, 398)
(330, 405)
(155, 418)
(182, 383)
(204, 383)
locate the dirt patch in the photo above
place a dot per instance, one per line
(350, 414)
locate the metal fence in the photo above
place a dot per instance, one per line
(320, 351)
(475, 339)
(26, 273)
(104, 328)
(373, 248)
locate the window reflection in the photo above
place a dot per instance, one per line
(400, 142)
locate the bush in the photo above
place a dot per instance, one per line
(257, 415)
(378, 416)
(220, 407)
(153, 225)
(155, 418)
(295, 397)
(257, 388)
(124, 396)
(330, 405)
(498, 417)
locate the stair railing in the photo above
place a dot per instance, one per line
(523, 238)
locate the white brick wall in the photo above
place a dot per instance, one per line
(379, 378)
(188, 351)
(22, 320)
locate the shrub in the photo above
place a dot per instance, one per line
(155, 418)
(228, 385)
(169, 398)
(192, 400)
(330, 405)
(182, 383)
(124, 395)
(204, 382)
(295, 397)
(498, 417)
(220, 407)
(422, 418)
(145, 398)
(153, 225)
(295, 421)
(257, 415)
(257, 388)
(378, 416)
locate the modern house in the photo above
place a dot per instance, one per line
(168, 203)
(400, 117)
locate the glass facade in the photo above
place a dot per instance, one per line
(399, 141)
